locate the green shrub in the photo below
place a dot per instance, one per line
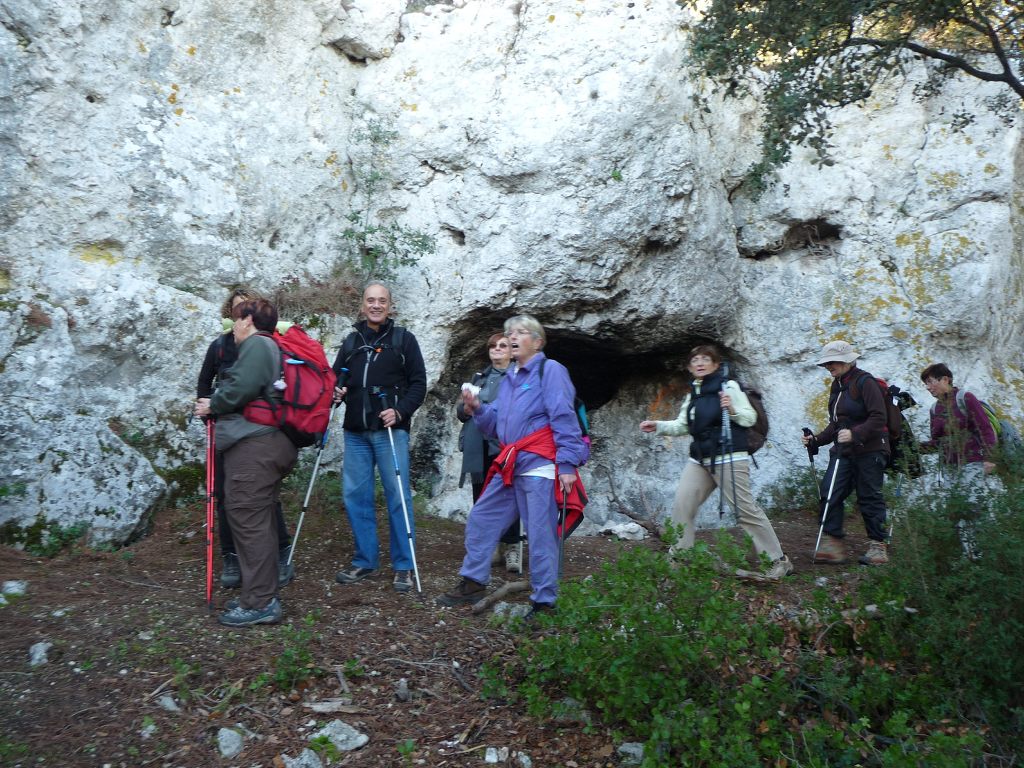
(294, 665)
(795, 491)
(968, 629)
(684, 658)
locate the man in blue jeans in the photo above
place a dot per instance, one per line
(382, 379)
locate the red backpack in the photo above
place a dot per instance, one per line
(304, 409)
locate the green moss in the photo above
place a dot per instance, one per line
(190, 478)
(43, 538)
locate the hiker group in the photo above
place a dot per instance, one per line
(266, 390)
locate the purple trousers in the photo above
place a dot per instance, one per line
(533, 500)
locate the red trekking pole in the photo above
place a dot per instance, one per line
(211, 503)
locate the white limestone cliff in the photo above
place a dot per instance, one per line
(562, 157)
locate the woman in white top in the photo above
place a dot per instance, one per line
(718, 459)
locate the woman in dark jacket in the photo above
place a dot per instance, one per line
(478, 452)
(857, 426)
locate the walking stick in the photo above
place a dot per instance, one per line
(812, 451)
(899, 494)
(825, 503)
(561, 529)
(726, 451)
(405, 509)
(312, 480)
(211, 502)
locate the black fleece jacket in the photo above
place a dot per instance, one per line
(380, 375)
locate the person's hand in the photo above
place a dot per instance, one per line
(988, 467)
(807, 439)
(648, 426)
(389, 417)
(845, 436)
(339, 393)
(567, 480)
(470, 402)
(202, 406)
(725, 401)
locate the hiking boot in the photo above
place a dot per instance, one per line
(777, 571)
(465, 592)
(285, 570)
(536, 609)
(831, 551)
(354, 574)
(403, 581)
(231, 572)
(514, 558)
(877, 554)
(247, 617)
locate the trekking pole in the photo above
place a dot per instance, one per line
(519, 544)
(312, 480)
(405, 509)
(211, 501)
(898, 493)
(825, 502)
(726, 450)
(812, 451)
(561, 529)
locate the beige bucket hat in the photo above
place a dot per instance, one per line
(837, 351)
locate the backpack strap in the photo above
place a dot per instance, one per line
(348, 347)
(961, 403)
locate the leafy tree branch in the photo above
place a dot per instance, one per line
(809, 57)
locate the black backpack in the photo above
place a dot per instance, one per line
(904, 448)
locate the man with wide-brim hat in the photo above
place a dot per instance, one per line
(858, 457)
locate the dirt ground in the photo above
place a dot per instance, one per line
(131, 627)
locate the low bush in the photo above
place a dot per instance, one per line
(706, 672)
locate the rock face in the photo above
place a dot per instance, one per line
(566, 163)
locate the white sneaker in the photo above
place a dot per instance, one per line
(514, 558)
(775, 572)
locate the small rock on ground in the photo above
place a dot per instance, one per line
(307, 759)
(37, 654)
(229, 742)
(343, 736)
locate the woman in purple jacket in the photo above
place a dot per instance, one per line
(534, 421)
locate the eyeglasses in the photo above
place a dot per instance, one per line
(501, 345)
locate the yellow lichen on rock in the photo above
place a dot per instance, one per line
(105, 253)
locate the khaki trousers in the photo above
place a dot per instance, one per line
(697, 483)
(253, 469)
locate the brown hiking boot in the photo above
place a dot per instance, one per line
(831, 551)
(877, 554)
(467, 591)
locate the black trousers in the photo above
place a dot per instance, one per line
(864, 474)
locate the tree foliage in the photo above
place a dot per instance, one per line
(811, 56)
